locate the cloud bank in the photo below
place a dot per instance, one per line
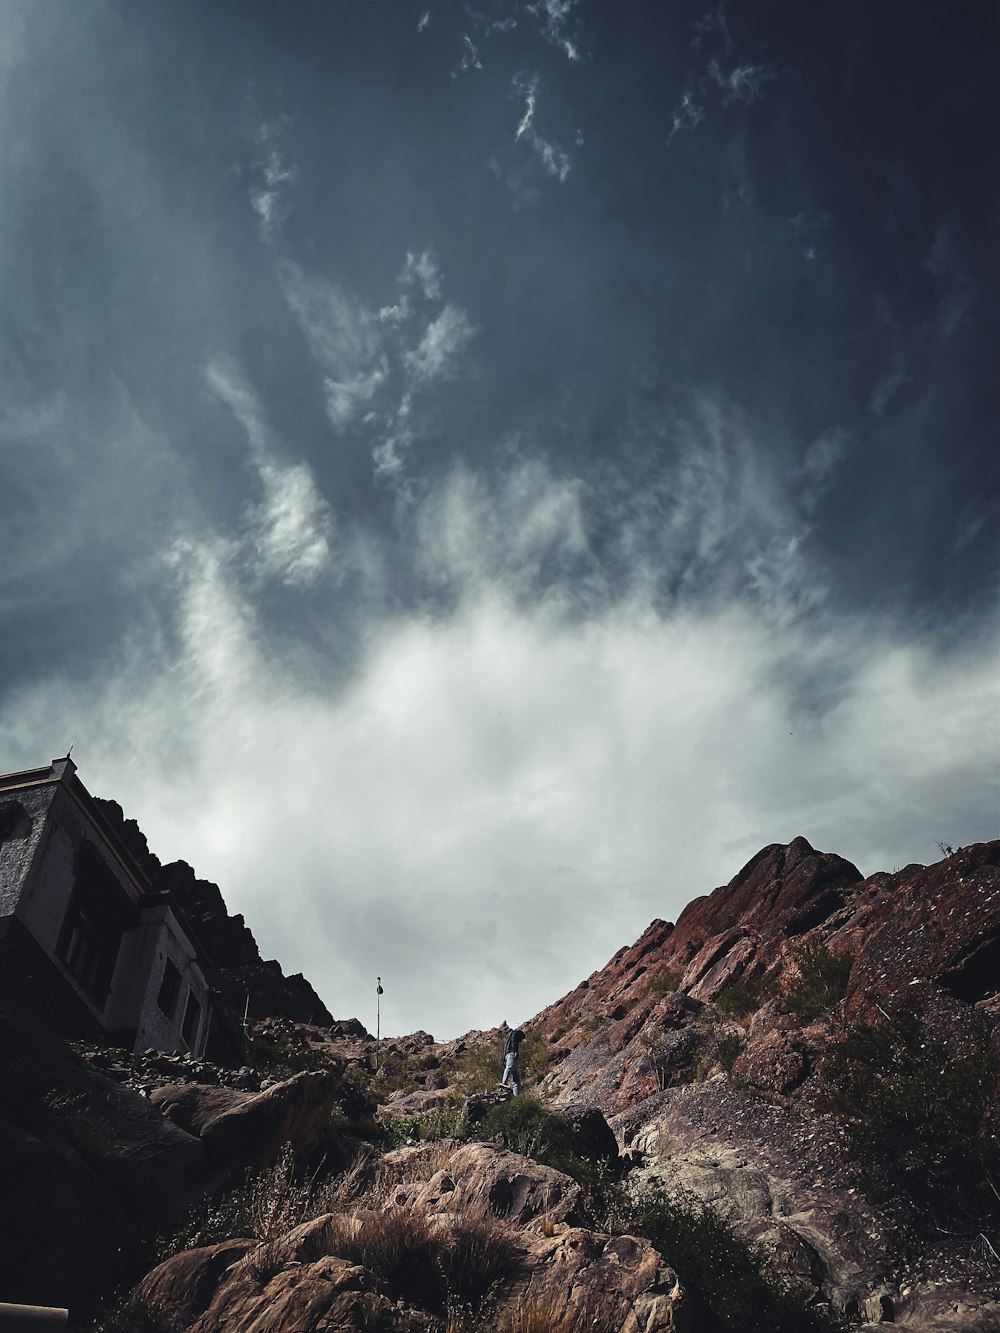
(507, 789)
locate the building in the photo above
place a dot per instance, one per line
(85, 940)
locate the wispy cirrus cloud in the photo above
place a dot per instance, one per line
(272, 177)
(554, 17)
(720, 74)
(377, 364)
(469, 59)
(285, 536)
(442, 340)
(554, 160)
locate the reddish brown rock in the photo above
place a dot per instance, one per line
(297, 1281)
(481, 1177)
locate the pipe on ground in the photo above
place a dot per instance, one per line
(31, 1318)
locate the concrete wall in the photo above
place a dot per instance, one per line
(155, 1029)
(17, 852)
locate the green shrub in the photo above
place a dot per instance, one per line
(922, 1124)
(727, 1049)
(729, 1282)
(357, 1097)
(523, 1125)
(743, 997)
(445, 1122)
(265, 1205)
(281, 1059)
(821, 980)
(662, 982)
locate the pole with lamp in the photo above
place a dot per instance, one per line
(379, 992)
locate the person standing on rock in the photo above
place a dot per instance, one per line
(511, 1069)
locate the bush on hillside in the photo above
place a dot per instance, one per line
(923, 1124)
(730, 1284)
(524, 1125)
(820, 982)
(743, 997)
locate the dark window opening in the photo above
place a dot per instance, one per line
(99, 913)
(170, 989)
(192, 1020)
(15, 822)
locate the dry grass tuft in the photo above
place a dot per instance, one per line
(436, 1264)
(543, 1314)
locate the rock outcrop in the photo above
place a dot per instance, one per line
(84, 1163)
(691, 1042)
(556, 1267)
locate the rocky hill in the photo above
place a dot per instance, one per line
(779, 1113)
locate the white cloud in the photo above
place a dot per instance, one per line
(442, 340)
(272, 178)
(423, 23)
(554, 16)
(738, 80)
(469, 59)
(688, 115)
(554, 159)
(528, 87)
(741, 83)
(287, 535)
(819, 464)
(377, 364)
(343, 337)
(421, 270)
(459, 815)
(346, 398)
(290, 529)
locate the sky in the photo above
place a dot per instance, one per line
(470, 476)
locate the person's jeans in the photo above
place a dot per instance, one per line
(512, 1072)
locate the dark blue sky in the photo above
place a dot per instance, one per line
(556, 441)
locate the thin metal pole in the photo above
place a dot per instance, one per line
(378, 1017)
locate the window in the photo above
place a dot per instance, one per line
(99, 913)
(170, 989)
(14, 821)
(192, 1020)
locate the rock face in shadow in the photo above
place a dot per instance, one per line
(240, 1129)
(84, 1163)
(88, 1164)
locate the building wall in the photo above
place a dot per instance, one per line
(168, 941)
(18, 849)
(38, 870)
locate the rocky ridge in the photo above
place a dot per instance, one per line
(657, 1071)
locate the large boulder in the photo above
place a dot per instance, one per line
(240, 1129)
(222, 1289)
(448, 1176)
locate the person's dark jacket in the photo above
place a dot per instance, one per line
(514, 1039)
